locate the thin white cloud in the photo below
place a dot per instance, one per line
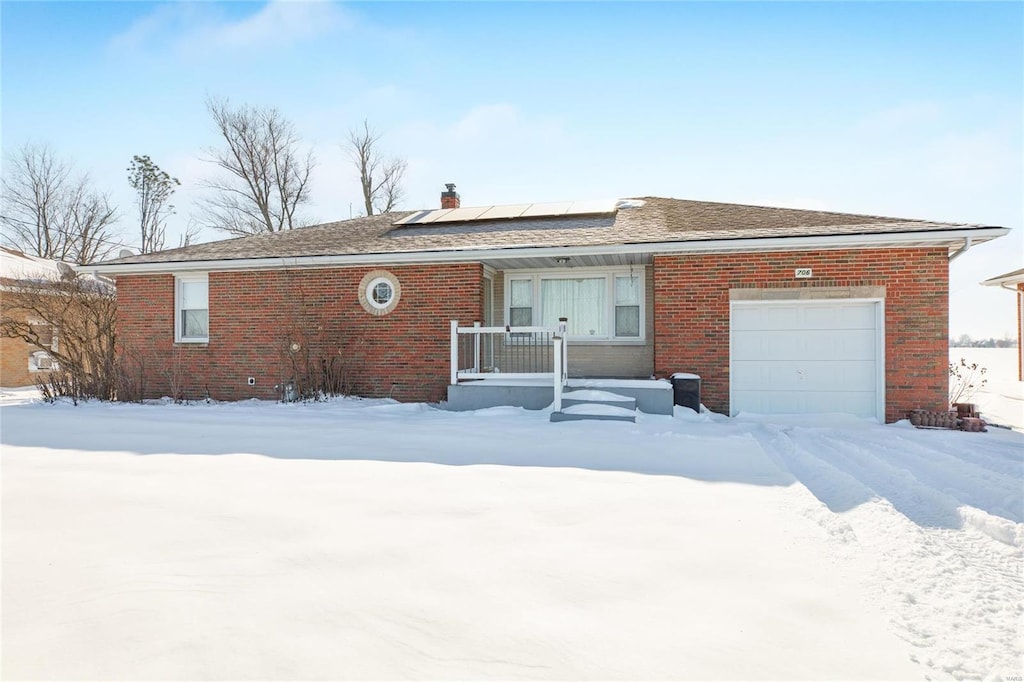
(278, 23)
(153, 28)
(199, 29)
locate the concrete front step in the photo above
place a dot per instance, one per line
(595, 411)
(595, 397)
(652, 396)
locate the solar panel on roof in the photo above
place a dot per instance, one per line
(552, 209)
(412, 218)
(432, 216)
(508, 212)
(461, 214)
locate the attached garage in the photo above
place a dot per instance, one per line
(807, 356)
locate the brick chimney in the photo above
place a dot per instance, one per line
(450, 199)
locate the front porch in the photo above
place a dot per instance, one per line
(652, 396)
(529, 367)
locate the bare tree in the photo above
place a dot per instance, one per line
(153, 188)
(380, 178)
(191, 234)
(50, 212)
(265, 179)
(73, 320)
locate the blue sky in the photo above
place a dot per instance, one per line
(905, 109)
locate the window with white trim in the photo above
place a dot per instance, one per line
(192, 309)
(601, 305)
(520, 311)
(627, 306)
(380, 292)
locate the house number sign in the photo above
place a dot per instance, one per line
(802, 273)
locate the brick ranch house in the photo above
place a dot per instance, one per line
(777, 310)
(1014, 281)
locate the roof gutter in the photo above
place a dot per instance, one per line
(828, 242)
(1010, 282)
(968, 242)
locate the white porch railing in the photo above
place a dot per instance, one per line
(516, 352)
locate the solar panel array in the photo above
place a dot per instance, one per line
(508, 212)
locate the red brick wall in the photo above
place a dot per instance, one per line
(691, 314)
(255, 316)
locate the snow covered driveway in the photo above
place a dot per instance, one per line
(366, 539)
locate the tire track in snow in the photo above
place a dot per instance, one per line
(995, 490)
(951, 586)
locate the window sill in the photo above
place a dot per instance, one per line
(196, 343)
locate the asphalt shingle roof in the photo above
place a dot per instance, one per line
(656, 220)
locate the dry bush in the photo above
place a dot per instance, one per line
(81, 312)
(965, 379)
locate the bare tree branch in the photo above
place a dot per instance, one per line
(379, 179)
(47, 212)
(265, 178)
(191, 235)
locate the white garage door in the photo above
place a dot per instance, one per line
(807, 357)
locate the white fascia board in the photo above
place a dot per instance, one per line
(826, 242)
(1005, 279)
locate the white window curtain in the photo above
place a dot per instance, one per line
(627, 306)
(194, 297)
(583, 301)
(520, 312)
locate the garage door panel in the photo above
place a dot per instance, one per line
(811, 402)
(849, 316)
(805, 316)
(803, 375)
(812, 345)
(841, 345)
(755, 318)
(764, 344)
(805, 357)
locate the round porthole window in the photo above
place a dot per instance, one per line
(379, 292)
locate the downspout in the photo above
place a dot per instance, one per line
(968, 242)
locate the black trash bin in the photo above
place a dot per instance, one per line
(686, 390)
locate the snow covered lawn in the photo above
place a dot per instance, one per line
(373, 540)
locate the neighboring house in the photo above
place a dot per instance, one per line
(777, 310)
(1014, 281)
(21, 363)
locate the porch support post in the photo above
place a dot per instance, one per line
(563, 331)
(476, 347)
(557, 350)
(455, 352)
